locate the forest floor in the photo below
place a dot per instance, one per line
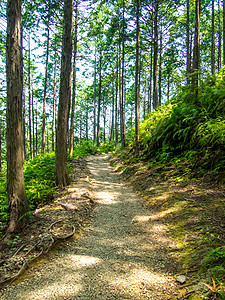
(122, 247)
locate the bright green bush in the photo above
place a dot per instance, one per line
(188, 126)
(84, 149)
(107, 147)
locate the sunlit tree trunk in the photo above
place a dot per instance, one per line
(64, 97)
(74, 82)
(196, 52)
(95, 96)
(29, 99)
(18, 204)
(45, 87)
(54, 102)
(188, 65)
(155, 56)
(137, 96)
(99, 100)
(213, 41)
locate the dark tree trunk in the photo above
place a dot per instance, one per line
(155, 58)
(219, 38)
(33, 125)
(95, 94)
(137, 96)
(213, 41)
(99, 100)
(54, 103)
(29, 101)
(188, 67)
(122, 119)
(116, 102)
(74, 83)
(196, 52)
(160, 67)
(18, 204)
(224, 32)
(45, 87)
(64, 97)
(150, 83)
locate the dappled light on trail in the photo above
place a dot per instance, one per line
(123, 253)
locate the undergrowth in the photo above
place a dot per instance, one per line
(182, 147)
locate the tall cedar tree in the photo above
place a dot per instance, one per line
(64, 97)
(18, 204)
(196, 54)
(74, 82)
(137, 96)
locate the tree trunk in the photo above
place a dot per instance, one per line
(74, 84)
(18, 204)
(196, 52)
(219, 38)
(160, 67)
(95, 94)
(188, 67)
(0, 144)
(32, 104)
(213, 41)
(150, 84)
(29, 101)
(122, 121)
(54, 102)
(224, 32)
(137, 96)
(116, 102)
(64, 97)
(155, 58)
(45, 87)
(99, 100)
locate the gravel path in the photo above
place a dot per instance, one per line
(123, 253)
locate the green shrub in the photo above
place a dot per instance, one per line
(107, 147)
(84, 149)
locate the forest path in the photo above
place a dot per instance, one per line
(123, 253)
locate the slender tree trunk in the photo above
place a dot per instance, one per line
(137, 96)
(160, 67)
(18, 204)
(188, 67)
(219, 38)
(45, 87)
(86, 121)
(0, 144)
(64, 97)
(122, 121)
(33, 131)
(54, 102)
(95, 96)
(168, 88)
(224, 32)
(213, 41)
(29, 101)
(99, 100)
(74, 83)
(150, 84)
(36, 138)
(116, 102)
(196, 52)
(113, 112)
(155, 58)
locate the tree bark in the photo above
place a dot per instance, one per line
(188, 66)
(224, 32)
(219, 38)
(155, 57)
(18, 204)
(196, 52)
(54, 102)
(29, 97)
(116, 102)
(45, 87)
(99, 100)
(122, 118)
(64, 97)
(213, 41)
(137, 96)
(160, 67)
(95, 94)
(74, 82)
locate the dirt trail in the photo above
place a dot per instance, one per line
(123, 253)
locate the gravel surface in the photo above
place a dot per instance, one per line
(124, 253)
